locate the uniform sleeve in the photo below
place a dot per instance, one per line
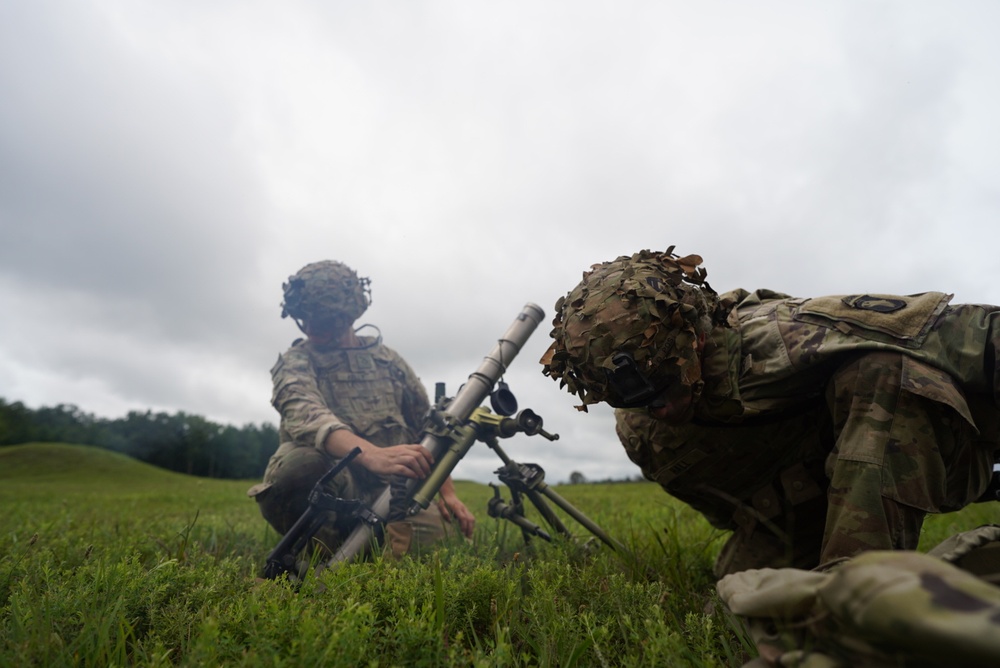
(663, 456)
(305, 416)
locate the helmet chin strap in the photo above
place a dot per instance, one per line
(630, 386)
(377, 340)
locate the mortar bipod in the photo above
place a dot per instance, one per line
(528, 480)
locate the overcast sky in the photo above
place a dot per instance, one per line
(165, 166)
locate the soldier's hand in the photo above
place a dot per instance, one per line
(410, 460)
(453, 509)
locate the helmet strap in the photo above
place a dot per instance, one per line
(376, 341)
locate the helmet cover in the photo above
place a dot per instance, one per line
(645, 313)
(325, 291)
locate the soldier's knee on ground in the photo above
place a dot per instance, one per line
(418, 534)
(284, 494)
(760, 548)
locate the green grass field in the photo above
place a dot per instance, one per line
(106, 561)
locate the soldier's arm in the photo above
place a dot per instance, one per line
(296, 397)
(411, 460)
(307, 419)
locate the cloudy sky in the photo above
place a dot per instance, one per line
(164, 166)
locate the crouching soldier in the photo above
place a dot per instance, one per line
(813, 429)
(337, 390)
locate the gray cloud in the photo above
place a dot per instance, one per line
(165, 167)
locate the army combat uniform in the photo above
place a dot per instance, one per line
(881, 609)
(370, 390)
(831, 426)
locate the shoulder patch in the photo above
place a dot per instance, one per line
(904, 319)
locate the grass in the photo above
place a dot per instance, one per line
(106, 561)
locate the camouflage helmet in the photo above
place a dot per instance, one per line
(325, 290)
(631, 327)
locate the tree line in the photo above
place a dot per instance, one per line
(180, 442)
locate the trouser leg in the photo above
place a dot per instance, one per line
(293, 473)
(289, 480)
(860, 518)
(417, 533)
(897, 456)
(792, 541)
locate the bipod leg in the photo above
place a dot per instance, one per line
(581, 518)
(543, 508)
(530, 479)
(523, 479)
(514, 512)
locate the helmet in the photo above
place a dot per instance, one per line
(631, 327)
(325, 291)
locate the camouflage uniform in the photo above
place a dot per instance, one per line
(371, 391)
(880, 609)
(368, 389)
(858, 421)
(821, 427)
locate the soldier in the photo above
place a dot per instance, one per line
(812, 428)
(337, 390)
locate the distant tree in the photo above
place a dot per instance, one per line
(15, 423)
(577, 478)
(65, 423)
(253, 447)
(180, 442)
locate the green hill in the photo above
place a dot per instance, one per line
(66, 467)
(50, 461)
(50, 487)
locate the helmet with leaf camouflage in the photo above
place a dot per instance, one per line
(326, 291)
(632, 327)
